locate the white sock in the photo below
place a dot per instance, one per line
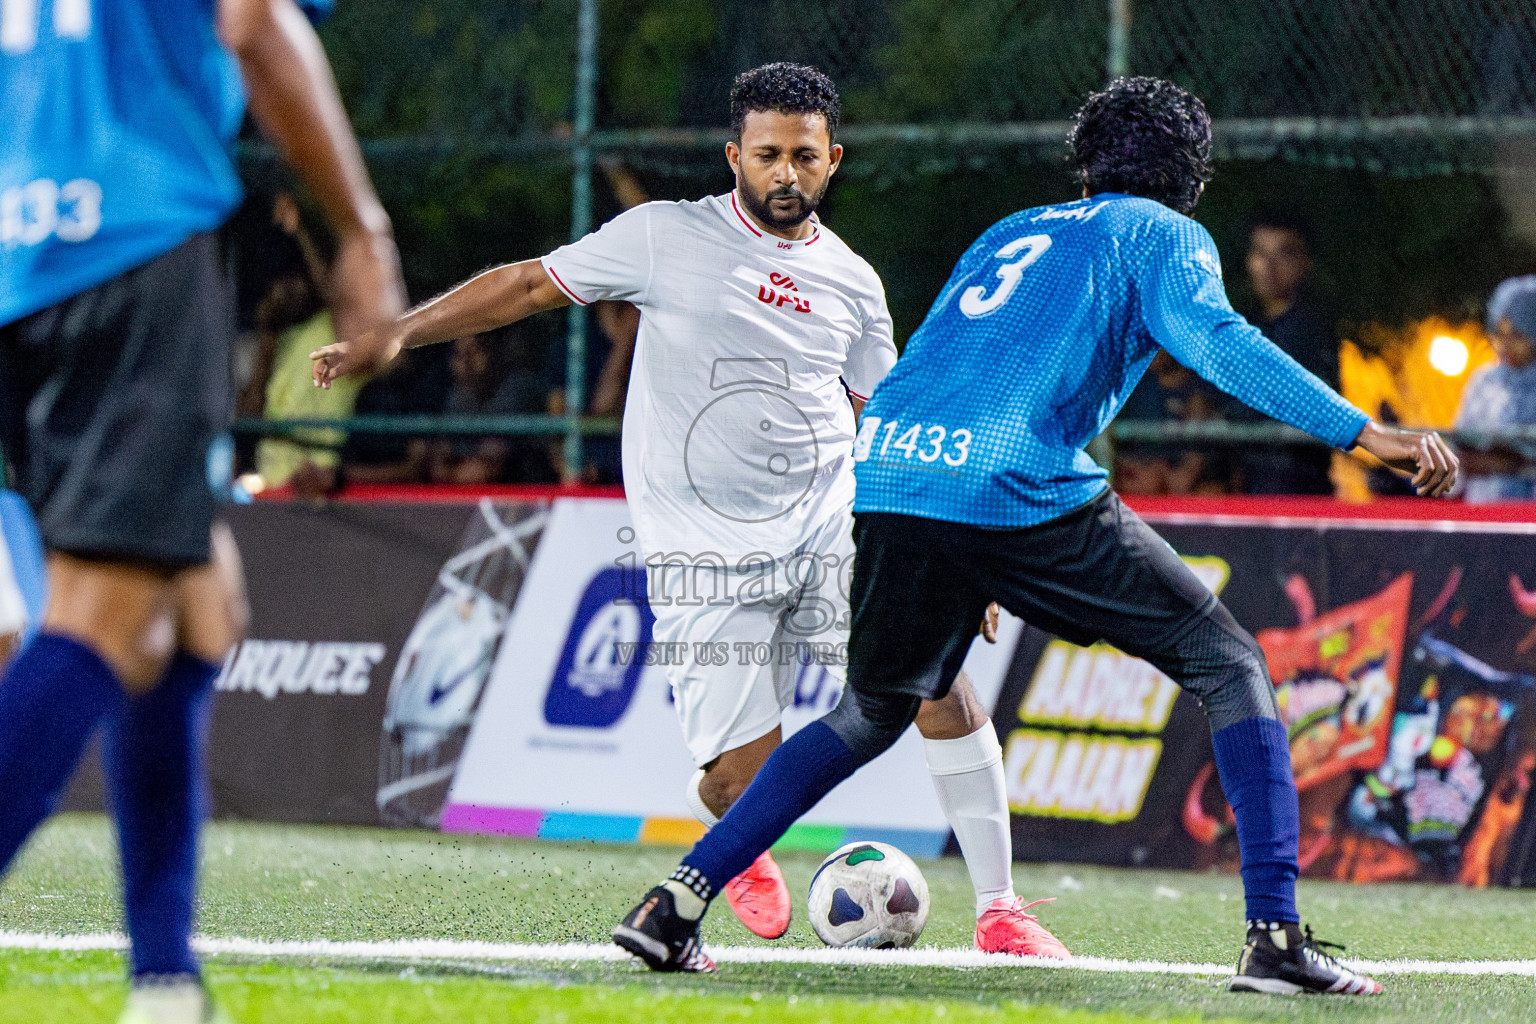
(696, 802)
(968, 776)
(690, 891)
(177, 999)
(686, 901)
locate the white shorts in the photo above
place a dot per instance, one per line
(737, 637)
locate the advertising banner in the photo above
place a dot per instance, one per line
(345, 600)
(577, 735)
(491, 667)
(503, 648)
(1403, 657)
(1335, 682)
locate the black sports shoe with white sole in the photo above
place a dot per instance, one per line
(1282, 959)
(661, 937)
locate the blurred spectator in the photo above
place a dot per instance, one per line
(1503, 395)
(493, 375)
(416, 383)
(1279, 264)
(271, 242)
(1171, 391)
(611, 331)
(619, 324)
(292, 321)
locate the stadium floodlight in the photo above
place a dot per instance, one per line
(1449, 355)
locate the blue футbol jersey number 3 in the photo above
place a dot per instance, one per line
(118, 118)
(1044, 328)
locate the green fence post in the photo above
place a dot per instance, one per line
(1119, 61)
(581, 223)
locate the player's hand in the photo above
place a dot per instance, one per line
(989, 623)
(360, 355)
(366, 294)
(1421, 455)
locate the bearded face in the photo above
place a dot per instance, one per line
(784, 164)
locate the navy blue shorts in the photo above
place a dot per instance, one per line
(110, 402)
(921, 586)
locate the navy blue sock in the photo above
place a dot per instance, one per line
(802, 771)
(1253, 758)
(153, 756)
(51, 699)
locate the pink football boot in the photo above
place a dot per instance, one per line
(1005, 928)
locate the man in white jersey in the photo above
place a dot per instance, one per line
(761, 334)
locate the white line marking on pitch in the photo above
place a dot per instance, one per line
(579, 952)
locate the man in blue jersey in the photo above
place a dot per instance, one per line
(973, 485)
(116, 325)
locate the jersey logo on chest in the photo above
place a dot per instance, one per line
(782, 294)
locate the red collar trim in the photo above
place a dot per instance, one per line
(747, 223)
(742, 217)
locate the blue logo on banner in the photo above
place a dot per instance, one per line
(816, 688)
(604, 652)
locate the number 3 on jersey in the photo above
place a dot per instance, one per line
(1021, 252)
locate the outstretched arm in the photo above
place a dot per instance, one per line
(1185, 307)
(485, 302)
(293, 97)
(611, 263)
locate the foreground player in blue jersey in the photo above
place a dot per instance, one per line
(116, 328)
(973, 485)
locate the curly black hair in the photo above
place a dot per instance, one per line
(787, 88)
(1144, 137)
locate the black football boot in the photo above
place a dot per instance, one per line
(1283, 959)
(661, 937)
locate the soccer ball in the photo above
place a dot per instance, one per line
(870, 895)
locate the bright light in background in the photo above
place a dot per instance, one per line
(1448, 355)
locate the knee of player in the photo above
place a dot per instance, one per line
(120, 611)
(1254, 668)
(144, 656)
(137, 653)
(889, 712)
(1245, 690)
(869, 724)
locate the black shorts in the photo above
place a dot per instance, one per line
(921, 586)
(110, 402)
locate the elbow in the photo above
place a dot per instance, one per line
(1217, 355)
(249, 28)
(242, 24)
(531, 281)
(1221, 369)
(1203, 357)
(533, 290)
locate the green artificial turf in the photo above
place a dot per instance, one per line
(300, 882)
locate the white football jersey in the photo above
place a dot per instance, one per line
(738, 435)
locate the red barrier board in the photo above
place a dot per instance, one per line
(1247, 508)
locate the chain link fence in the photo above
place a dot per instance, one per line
(494, 114)
(1395, 85)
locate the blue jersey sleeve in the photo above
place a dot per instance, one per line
(1184, 307)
